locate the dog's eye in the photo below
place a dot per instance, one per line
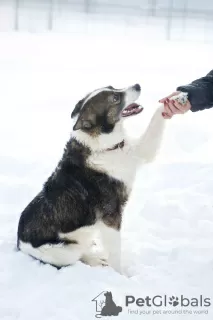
(116, 97)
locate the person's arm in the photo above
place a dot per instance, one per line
(200, 92)
(200, 97)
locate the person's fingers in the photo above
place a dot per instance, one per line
(176, 107)
(162, 100)
(171, 95)
(182, 108)
(168, 110)
(166, 116)
(173, 108)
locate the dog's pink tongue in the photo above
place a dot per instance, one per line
(132, 109)
(132, 106)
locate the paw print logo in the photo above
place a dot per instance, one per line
(174, 301)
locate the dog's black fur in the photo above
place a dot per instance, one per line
(70, 199)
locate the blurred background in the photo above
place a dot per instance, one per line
(166, 19)
(53, 52)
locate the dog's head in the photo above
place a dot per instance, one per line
(108, 295)
(98, 115)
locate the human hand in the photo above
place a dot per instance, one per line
(175, 103)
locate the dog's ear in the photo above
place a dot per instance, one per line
(85, 121)
(77, 126)
(82, 124)
(77, 108)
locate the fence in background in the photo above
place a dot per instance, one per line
(171, 19)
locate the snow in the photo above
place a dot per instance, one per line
(167, 235)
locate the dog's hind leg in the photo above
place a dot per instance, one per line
(96, 255)
(58, 255)
(111, 240)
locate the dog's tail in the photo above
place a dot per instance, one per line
(119, 309)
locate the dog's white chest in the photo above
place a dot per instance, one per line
(119, 164)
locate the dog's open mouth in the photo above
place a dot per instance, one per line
(131, 110)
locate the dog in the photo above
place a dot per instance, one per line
(91, 184)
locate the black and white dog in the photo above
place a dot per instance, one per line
(91, 184)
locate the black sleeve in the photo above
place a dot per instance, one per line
(200, 92)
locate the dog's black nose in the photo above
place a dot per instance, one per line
(137, 87)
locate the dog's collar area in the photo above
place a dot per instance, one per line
(119, 145)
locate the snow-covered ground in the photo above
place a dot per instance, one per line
(167, 236)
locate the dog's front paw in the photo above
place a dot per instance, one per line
(95, 261)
